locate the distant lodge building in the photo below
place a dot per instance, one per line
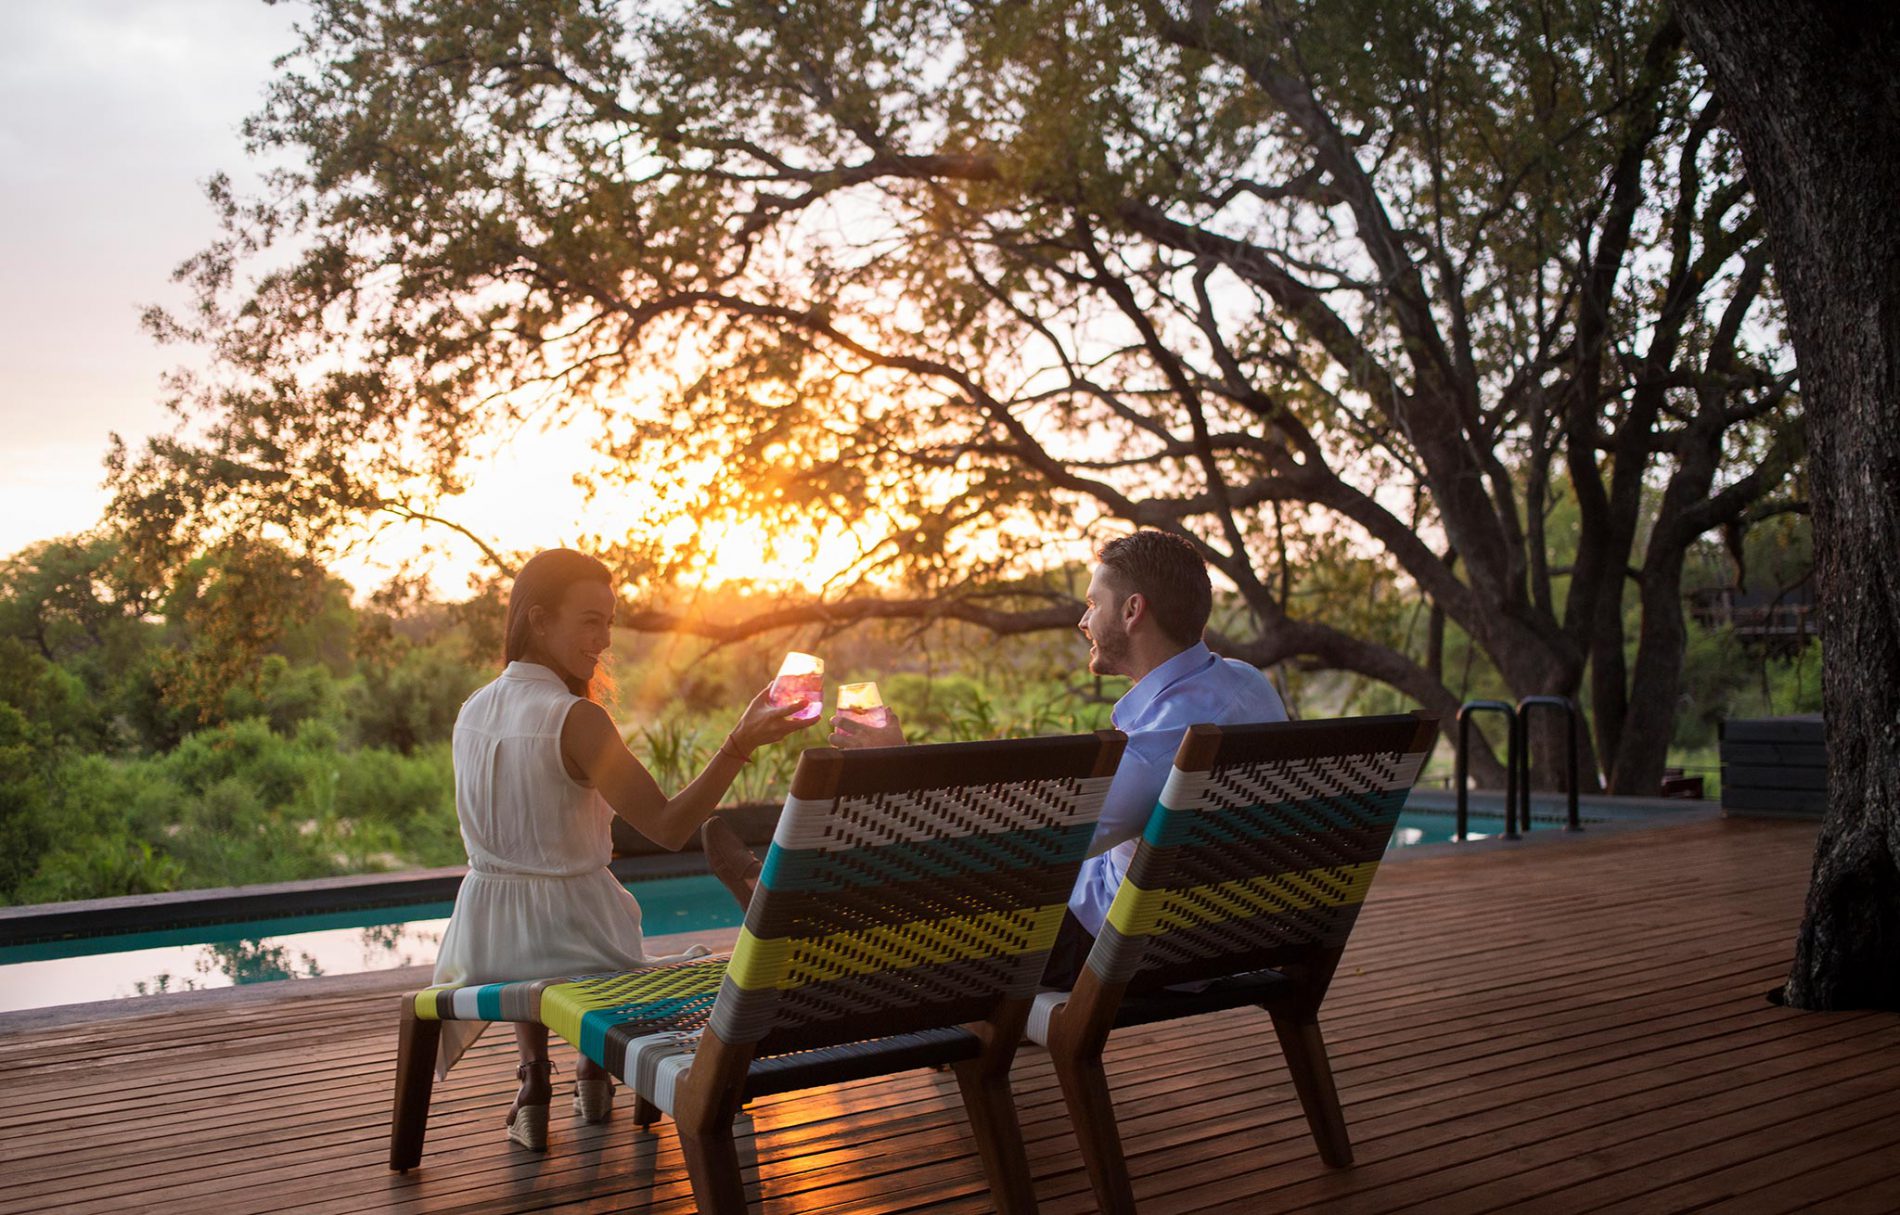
(1779, 619)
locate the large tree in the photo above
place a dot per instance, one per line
(1811, 93)
(1347, 283)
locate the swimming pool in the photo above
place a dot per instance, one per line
(76, 970)
(83, 969)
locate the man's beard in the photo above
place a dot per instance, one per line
(1110, 652)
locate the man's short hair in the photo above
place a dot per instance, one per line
(1169, 574)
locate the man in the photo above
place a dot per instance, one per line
(1148, 603)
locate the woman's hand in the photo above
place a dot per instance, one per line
(764, 722)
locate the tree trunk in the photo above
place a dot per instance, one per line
(1636, 766)
(1812, 96)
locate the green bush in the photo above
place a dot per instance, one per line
(285, 696)
(412, 700)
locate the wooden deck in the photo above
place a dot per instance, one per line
(1573, 1025)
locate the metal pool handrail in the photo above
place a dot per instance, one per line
(1521, 748)
(1510, 764)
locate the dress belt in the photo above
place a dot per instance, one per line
(516, 876)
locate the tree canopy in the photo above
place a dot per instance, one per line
(1361, 286)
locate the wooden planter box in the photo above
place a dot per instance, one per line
(1774, 767)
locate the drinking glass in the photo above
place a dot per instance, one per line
(861, 703)
(800, 677)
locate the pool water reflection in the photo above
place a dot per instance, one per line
(297, 947)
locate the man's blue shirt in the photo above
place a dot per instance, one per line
(1196, 685)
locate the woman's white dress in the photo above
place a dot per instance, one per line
(539, 901)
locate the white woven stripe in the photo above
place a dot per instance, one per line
(1041, 1013)
(1185, 790)
(654, 1064)
(666, 1081)
(937, 814)
(1291, 780)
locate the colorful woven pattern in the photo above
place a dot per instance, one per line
(629, 1022)
(1268, 852)
(885, 909)
(520, 1001)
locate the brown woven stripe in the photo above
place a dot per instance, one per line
(951, 765)
(1299, 740)
(890, 1002)
(1184, 868)
(1233, 946)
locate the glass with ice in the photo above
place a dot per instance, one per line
(800, 677)
(860, 703)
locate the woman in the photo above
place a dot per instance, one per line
(540, 769)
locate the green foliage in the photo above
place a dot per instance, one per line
(315, 762)
(412, 697)
(1724, 678)
(24, 776)
(239, 602)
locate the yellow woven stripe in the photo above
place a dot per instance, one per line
(1138, 912)
(757, 963)
(561, 1010)
(425, 1003)
(564, 1005)
(789, 963)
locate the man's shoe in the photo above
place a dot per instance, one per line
(730, 860)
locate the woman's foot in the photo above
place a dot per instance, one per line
(730, 860)
(528, 1117)
(593, 1092)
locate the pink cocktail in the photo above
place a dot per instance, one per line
(860, 703)
(800, 677)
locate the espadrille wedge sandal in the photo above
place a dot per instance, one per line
(528, 1119)
(594, 1098)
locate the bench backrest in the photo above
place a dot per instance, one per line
(1262, 847)
(911, 888)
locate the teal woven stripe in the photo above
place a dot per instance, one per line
(1313, 816)
(913, 859)
(595, 1024)
(488, 1001)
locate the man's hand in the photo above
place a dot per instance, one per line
(764, 722)
(848, 733)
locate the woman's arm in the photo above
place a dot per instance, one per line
(591, 746)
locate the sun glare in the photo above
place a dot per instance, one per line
(523, 496)
(745, 552)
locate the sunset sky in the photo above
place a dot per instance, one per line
(113, 113)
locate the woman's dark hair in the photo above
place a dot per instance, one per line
(1166, 571)
(542, 583)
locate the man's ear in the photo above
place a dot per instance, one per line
(1134, 608)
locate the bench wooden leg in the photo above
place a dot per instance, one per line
(645, 1113)
(1085, 1089)
(1306, 1059)
(991, 1108)
(415, 1082)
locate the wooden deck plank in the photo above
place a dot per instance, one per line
(1570, 1026)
